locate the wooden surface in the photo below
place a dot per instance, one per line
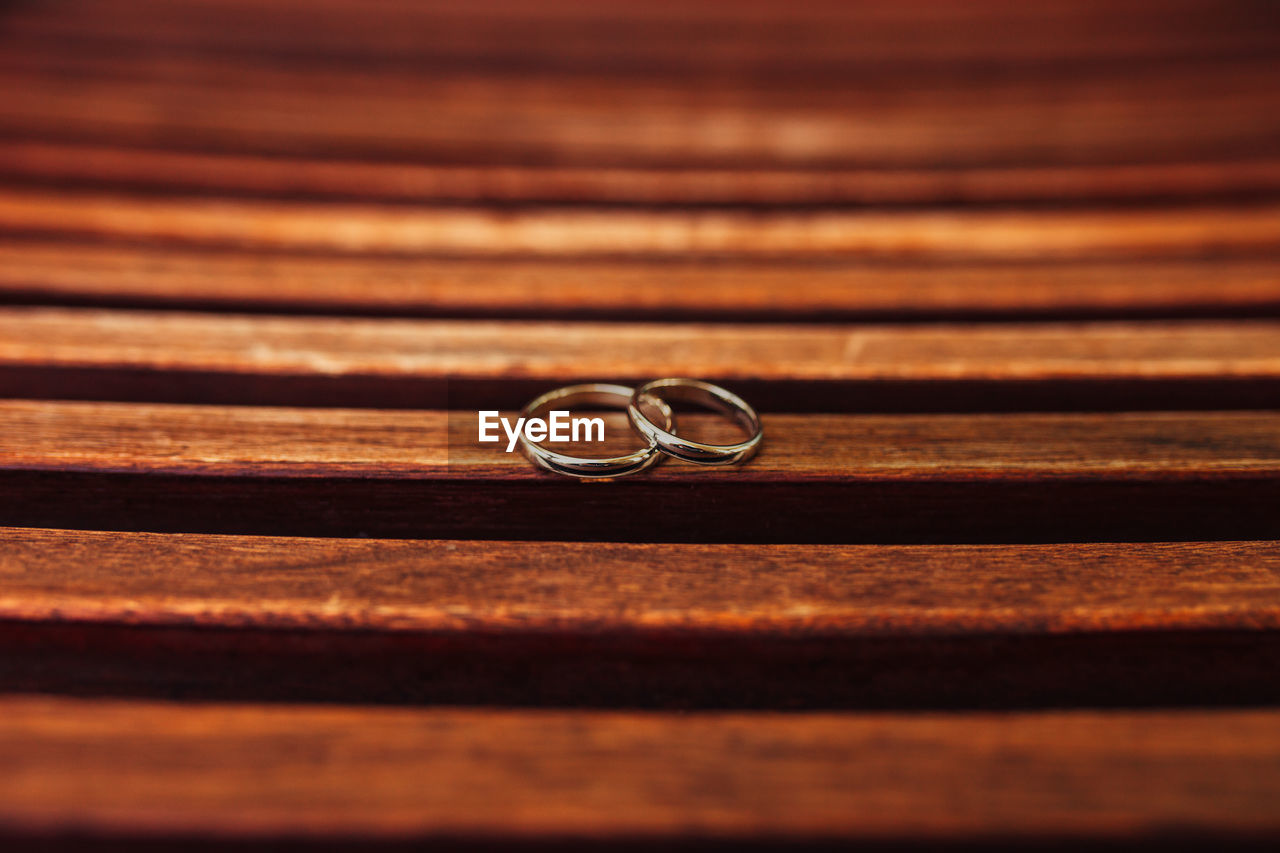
(639, 625)
(590, 233)
(54, 271)
(483, 587)
(1154, 111)
(202, 172)
(199, 358)
(1003, 280)
(431, 774)
(819, 478)
(267, 442)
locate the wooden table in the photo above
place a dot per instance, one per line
(1003, 279)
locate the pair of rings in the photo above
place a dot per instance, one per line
(661, 437)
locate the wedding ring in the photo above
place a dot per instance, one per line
(572, 466)
(704, 393)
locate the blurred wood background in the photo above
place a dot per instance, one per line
(1002, 277)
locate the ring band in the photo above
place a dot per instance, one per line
(572, 466)
(694, 391)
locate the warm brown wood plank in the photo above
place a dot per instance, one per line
(90, 165)
(128, 769)
(781, 86)
(43, 271)
(263, 442)
(350, 228)
(845, 79)
(233, 156)
(820, 478)
(52, 271)
(739, 54)
(639, 625)
(1151, 114)
(670, 38)
(54, 352)
(499, 587)
(477, 350)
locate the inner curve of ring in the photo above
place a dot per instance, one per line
(748, 423)
(600, 398)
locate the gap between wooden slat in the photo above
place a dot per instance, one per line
(234, 772)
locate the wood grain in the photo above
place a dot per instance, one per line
(234, 772)
(245, 441)
(820, 478)
(52, 271)
(564, 587)
(669, 38)
(1155, 113)
(71, 165)
(554, 351)
(514, 175)
(188, 357)
(638, 625)
(594, 233)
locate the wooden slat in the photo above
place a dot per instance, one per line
(263, 442)
(553, 351)
(521, 587)
(852, 81)
(73, 353)
(632, 162)
(972, 234)
(646, 625)
(670, 38)
(820, 478)
(180, 171)
(129, 769)
(53, 271)
(1153, 114)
